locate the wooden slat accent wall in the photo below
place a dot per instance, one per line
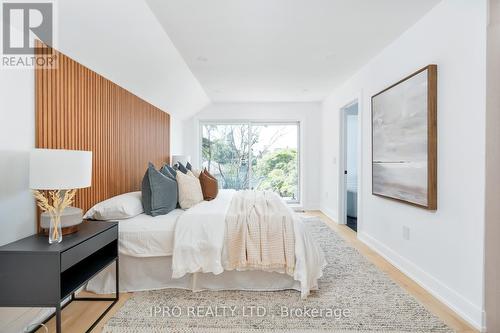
(77, 108)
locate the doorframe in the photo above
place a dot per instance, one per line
(342, 198)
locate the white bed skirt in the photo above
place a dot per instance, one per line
(150, 273)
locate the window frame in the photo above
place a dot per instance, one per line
(250, 123)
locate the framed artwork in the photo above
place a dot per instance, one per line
(404, 140)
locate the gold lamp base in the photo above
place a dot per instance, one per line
(65, 230)
(71, 217)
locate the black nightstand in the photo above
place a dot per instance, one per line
(34, 273)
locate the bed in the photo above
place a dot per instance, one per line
(165, 252)
(127, 134)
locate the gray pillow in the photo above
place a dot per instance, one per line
(172, 170)
(159, 193)
(189, 166)
(182, 168)
(168, 171)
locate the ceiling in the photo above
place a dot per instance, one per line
(281, 50)
(124, 42)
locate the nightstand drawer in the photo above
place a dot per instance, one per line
(84, 249)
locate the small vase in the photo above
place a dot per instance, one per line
(55, 232)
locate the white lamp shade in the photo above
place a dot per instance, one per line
(181, 158)
(59, 169)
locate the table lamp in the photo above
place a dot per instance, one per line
(60, 172)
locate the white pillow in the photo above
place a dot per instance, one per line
(189, 190)
(196, 172)
(122, 206)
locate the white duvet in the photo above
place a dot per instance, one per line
(199, 243)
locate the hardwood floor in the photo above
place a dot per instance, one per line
(78, 316)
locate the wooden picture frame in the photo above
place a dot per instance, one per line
(404, 140)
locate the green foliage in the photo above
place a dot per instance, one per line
(225, 152)
(277, 171)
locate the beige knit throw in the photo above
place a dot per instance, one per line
(259, 233)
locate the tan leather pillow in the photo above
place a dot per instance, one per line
(209, 186)
(205, 171)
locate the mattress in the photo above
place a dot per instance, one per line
(148, 236)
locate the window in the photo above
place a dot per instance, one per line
(253, 155)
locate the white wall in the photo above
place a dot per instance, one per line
(445, 250)
(352, 145)
(17, 137)
(492, 248)
(176, 136)
(307, 113)
(17, 208)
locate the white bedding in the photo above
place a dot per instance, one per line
(199, 237)
(199, 243)
(143, 273)
(147, 236)
(184, 249)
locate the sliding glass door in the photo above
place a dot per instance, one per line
(253, 155)
(225, 153)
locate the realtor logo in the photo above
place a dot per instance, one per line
(23, 23)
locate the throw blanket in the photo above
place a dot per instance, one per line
(259, 233)
(199, 243)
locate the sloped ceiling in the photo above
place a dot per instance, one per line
(281, 50)
(181, 55)
(123, 41)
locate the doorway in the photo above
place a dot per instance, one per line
(350, 142)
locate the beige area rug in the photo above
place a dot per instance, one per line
(354, 296)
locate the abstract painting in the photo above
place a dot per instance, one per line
(404, 140)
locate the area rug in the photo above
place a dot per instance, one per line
(354, 296)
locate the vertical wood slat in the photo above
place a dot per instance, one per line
(76, 108)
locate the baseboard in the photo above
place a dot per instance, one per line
(312, 206)
(28, 318)
(468, 311)
(330, 213)
(24, 319)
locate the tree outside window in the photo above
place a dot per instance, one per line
(262, 156)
